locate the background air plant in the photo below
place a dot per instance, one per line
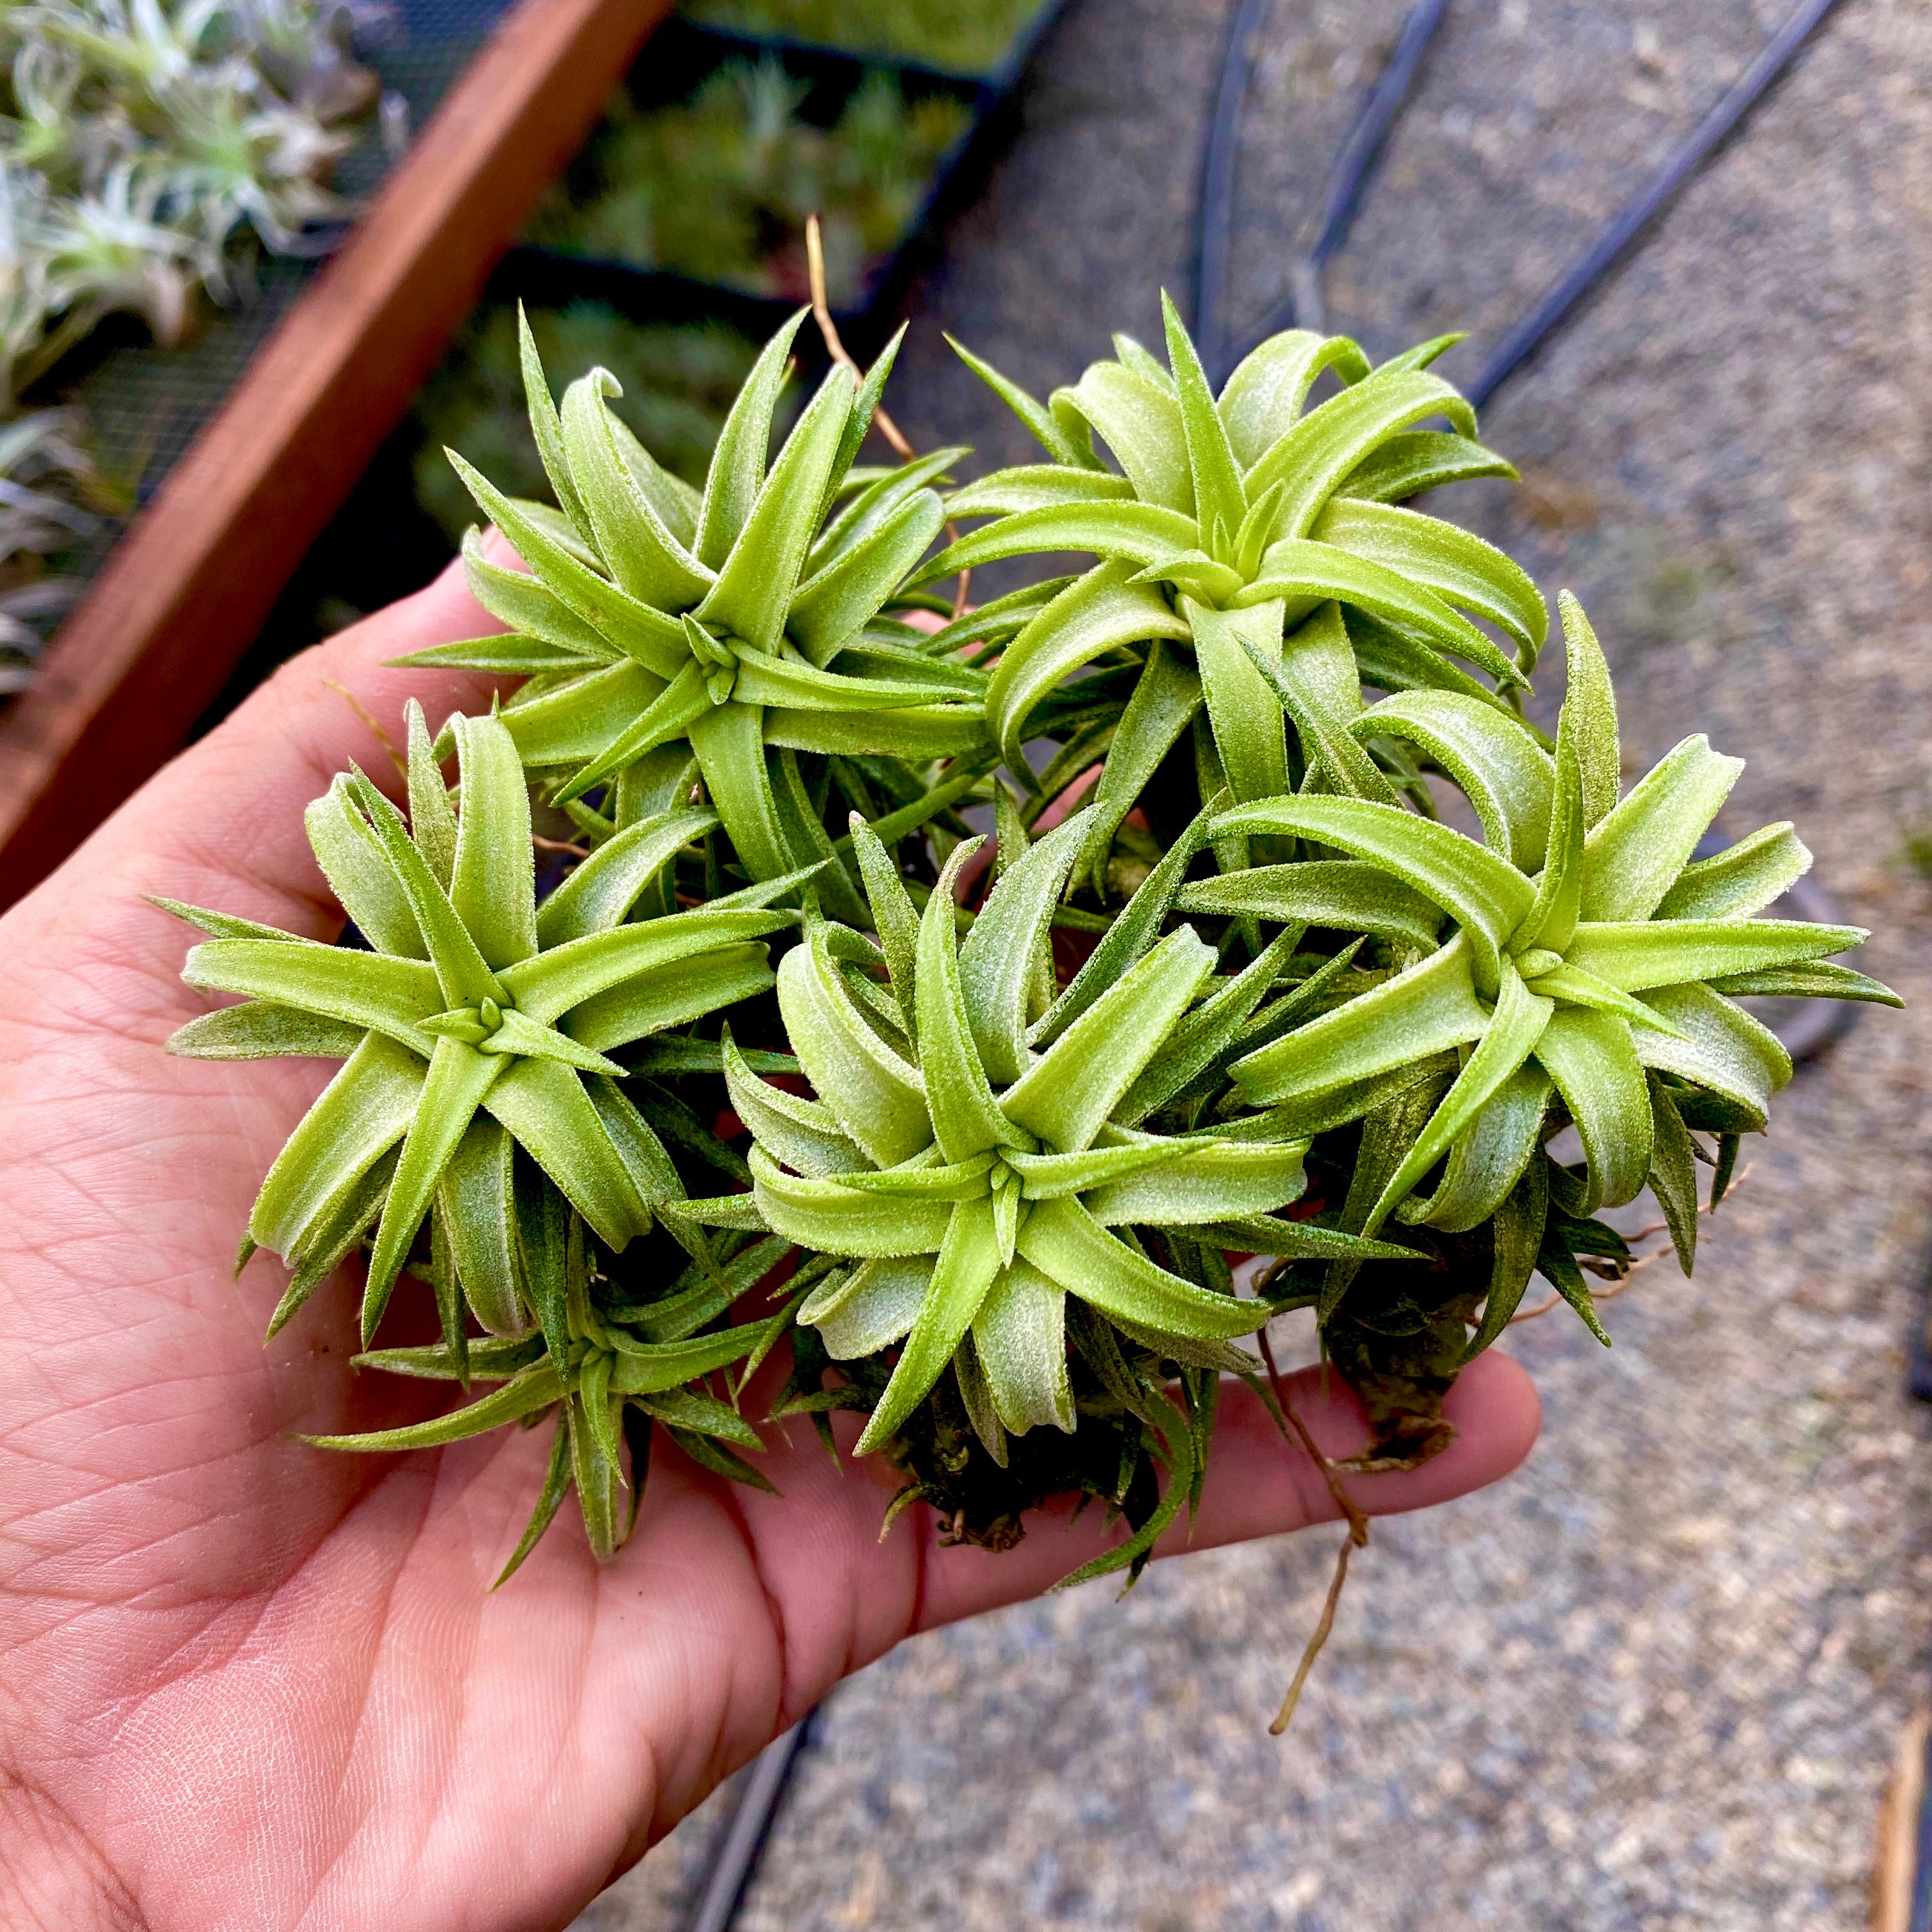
(720, 188)
(1011, 1126)
(145, 148)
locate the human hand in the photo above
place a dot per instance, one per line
(252, 1684)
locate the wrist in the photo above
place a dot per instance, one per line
(52, 1879)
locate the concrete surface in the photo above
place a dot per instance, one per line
(1655, 1681)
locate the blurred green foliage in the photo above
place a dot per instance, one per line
(719, 187)
(959, 38)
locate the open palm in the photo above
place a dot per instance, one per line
(250, 1685)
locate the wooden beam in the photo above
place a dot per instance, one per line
(190, 584)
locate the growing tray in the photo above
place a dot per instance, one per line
(680, 57)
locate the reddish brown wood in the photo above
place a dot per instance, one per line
(189, 586)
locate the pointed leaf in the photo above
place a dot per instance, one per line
(965, 1120)
(1593, 704)
(1063, 1098)
(1517, 1024)
(757, 579)
(1342, 893)
(1262, 401)
(1456, 564)
(1742, 879)
(1096, 613)
(1665, 953)
(1424, 1011)
(644, 556)
(1067, 1245)
(358, 873)
(738, 460)
(1591, 1057)
(1137, 533)
(968, 1260)
(544, 1105)
(1501, 769)
(363, 989)
(877, 1098)
(997, 962)
(1420, 460)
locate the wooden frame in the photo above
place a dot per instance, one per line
(188, 587)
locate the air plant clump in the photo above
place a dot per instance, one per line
(787, 1055)
(146, 149)
(720, 187)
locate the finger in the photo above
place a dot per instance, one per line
(222, 824)
(1259, 1485)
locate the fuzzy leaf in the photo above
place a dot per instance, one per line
(646, 558)
(1519, 1240)
(362, 1112)
(1591, 1057)
(843, 1220)
(1818, 980)
(635, 629)
(536, 1388)
(1206, 1183)
(358, 873)
(1483, 892)
(738, 460)
(479, 1202)
(1510, 1037)
(1341, 893)
(1065, 1242)
(1594, 703)
(1420, 460)
(261, 1030)
(544, 1105)
(1431, 1007)
(1490, 1156)
(1501, 769)
(1456, 564)
(877, 1097)
(1046, 431)
(361, 989)
(1095, 614)
(1314, 458)
(1137, 533)
(1064, 1097)
(1262, 401)
(1249, 732)
(997, 962)
(870, 1308)
(1666, 953)
(969, 1258)
(1722, 1049)
(599, 894)
(1634, 856)
(831, 608)
(1020, 1334)
(1743, 879)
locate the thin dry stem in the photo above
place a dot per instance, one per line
(562, 845)
(363, 711)
(1286, 1715)
(1637, 1267)
(1357, 1538)
(821, 312)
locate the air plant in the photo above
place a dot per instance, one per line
(742, 620)
(994, 1144)
(1233, 521)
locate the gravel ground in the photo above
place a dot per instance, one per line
(1654, 1681)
